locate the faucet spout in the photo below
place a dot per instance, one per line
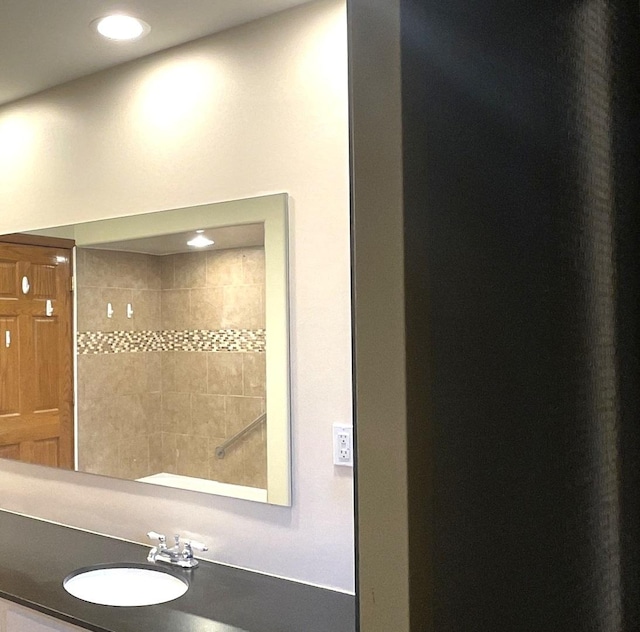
(174, 555)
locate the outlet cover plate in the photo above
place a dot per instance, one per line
(343, 445)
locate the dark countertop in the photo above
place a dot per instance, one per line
(36, 556)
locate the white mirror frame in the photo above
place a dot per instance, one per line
(272, 210)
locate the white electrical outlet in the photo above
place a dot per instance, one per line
(343, 445)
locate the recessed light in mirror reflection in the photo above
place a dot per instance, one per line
(200, 241)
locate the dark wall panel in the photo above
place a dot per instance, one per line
(522, 283)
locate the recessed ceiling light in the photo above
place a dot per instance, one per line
(200, 241)
(121, 27)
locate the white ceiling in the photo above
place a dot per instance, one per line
(44, 43)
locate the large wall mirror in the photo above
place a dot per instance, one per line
(181, 348)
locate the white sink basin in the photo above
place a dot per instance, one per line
(125, 585)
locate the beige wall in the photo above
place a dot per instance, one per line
(264, 110)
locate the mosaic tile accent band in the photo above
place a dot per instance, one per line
(95, 342)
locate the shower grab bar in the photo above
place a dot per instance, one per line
(221, 449)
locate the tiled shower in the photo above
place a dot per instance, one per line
(177, 368)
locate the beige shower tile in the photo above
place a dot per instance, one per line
(155, 453)
(98, 436)
(92, 268)
(104, 268)
(168, 371)
(119, 300)
(243, 307)
(84, 362)
(153, 363)
(184, 372)
(131, 270)
(151, 404)
(81, 268)
(208, 415)
(253, 266)
(229, 469)
(132, 373)
(170, 452)
(241, 411)
(206, 308)
(154, 272)
(113, 374)
(134, 457)
(192, 369)
(146, 310)
(224, 373)
(92, 309)
(166, 272)
(176, 412)
(224, 267)
(136, 372)
(101, 375)
(104, 461)
(190, 270)
(108, 377)
(132, 421)
(192, 456)
(140, 414)
(255, 459)
(254, 374)
(87, 365)
(175, 309)
(89, 406)
(96, 417)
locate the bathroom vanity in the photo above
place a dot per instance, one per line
(37, 556)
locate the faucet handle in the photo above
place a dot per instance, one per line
(198, 546)
(156, 536)
(189, 545)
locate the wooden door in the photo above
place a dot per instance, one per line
(36, 355)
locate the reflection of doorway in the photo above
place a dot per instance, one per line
(36, 355)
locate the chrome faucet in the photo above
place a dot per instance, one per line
(174, 555)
